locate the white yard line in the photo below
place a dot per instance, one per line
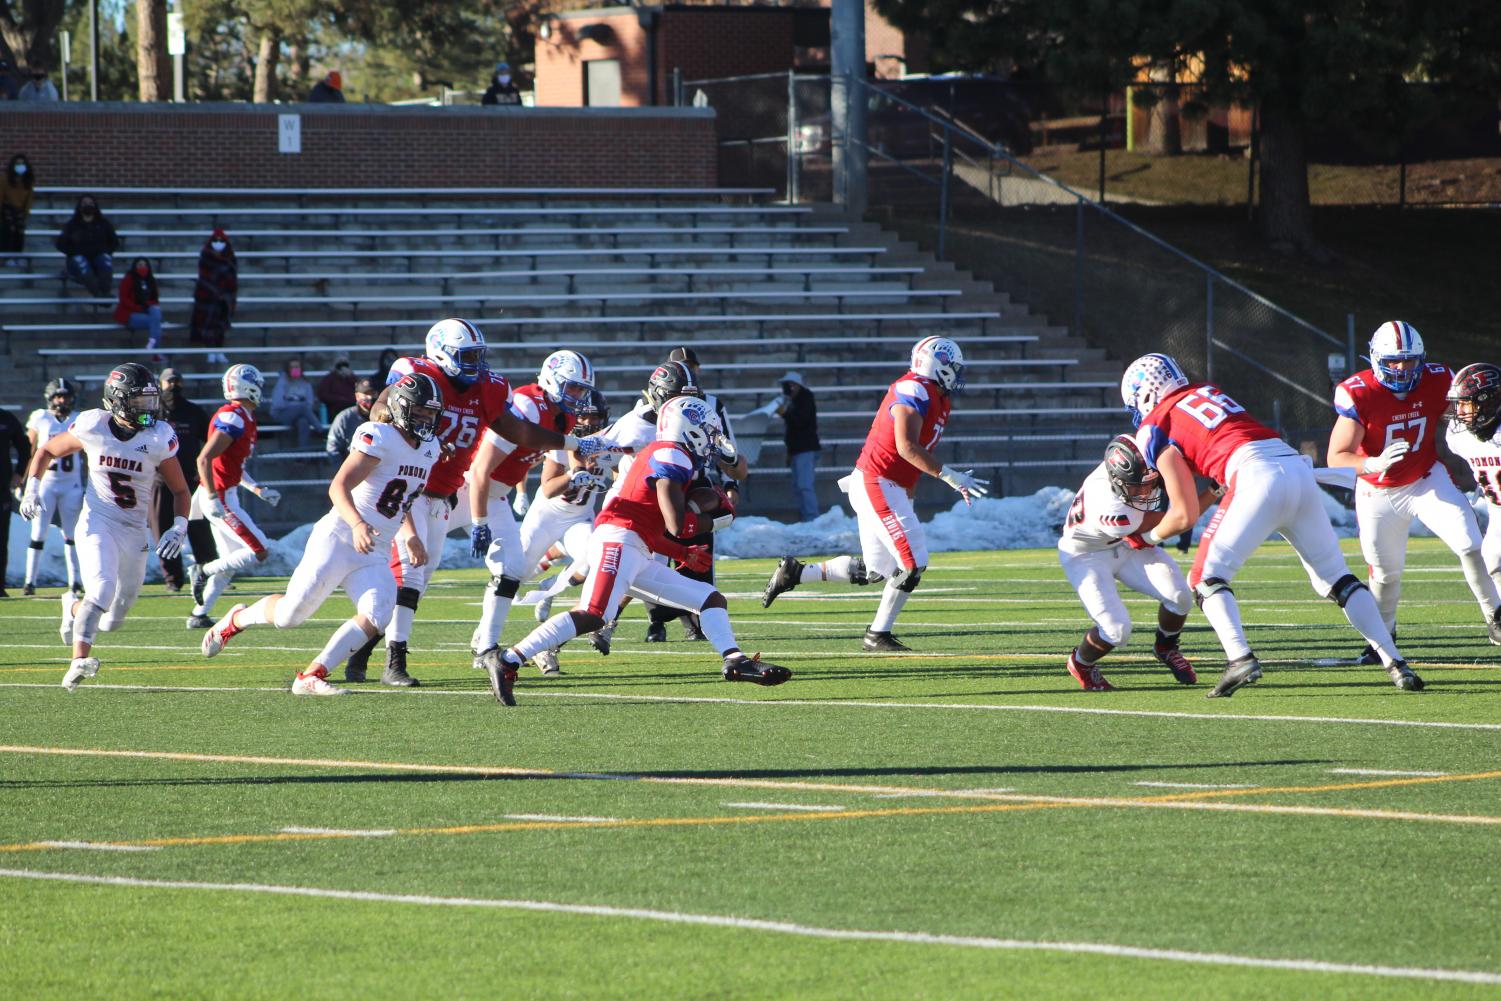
(803, 807)
(783, 927)
(555, 818)
(1383, 771)
(1192, 785)
(941, 793)
(96, 846)
(341, 831)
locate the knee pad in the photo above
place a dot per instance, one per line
(1344, 589)
(86, 622)
(1208, 587)
(505, 587)
(907, 580)
(38, 544)
(1114, 631)
(407, 597)
(376, 607)
(859, 575)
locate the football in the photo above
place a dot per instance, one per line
(703, 500)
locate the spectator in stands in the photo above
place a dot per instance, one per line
(88, 240)
(38, 88)
(9, 88)
(800, 413)
(17, 189)
(139, 306)
(190, 421)
(383, 366)
(501, 89)
(329, 90)
(12, 439)
(215, 295)
(336, 389)
(341, 431)
(292, 402)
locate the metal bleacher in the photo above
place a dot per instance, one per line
(622, 276)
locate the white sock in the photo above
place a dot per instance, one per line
(33, 557)
(715, 622)
(1385, 594)
(836, 569)
(233, 563)
(554, 632)
(401, 625)
(86, 622)
(1361, 611)
(892, 601)
(346, 640)
(256, 615)
(216, 586)
(492, 622)
(1481, 585)
(73, 572)
(1223, 613)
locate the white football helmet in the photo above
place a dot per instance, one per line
(244, 382)
(458, 348)
(1397, 355)
(939, 359)
(567, 377)
(690, 422)
(1147, 382)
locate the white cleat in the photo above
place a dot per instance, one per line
(547, 663)
(221, 633)
(66, 629)
(315, 684)
(82, 667)
(543, 610)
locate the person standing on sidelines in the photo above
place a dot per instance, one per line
(1187, 429)
(1387, 431)
(221, 472)
(62, 485)
(899, 449)
(126, 448)
(800, 413)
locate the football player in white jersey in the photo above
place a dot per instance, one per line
(127, 449)
(1475, 436)
(62, 484)
(372, 494)
(1102, 544)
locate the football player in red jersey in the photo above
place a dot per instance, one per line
(563, 386)
(1387, 431)
(474, 399)
(898, 450)
(638, 521)
(221, 472)
(1189, 429)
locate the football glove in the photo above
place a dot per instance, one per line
(724, 450)
(170, 544)
(210, 503)
(270, 495)
(1389, 457)
(31, 501)
(592, 445)
(479, 541)
(965, 481)
(698, 559)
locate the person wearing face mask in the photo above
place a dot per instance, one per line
(336, 389)
(215, 295)
(38, 88)
(17, 189)
(801, 437)
(190, 421)
(139, 306)
(341, 431)
(501, 89)
(292, 402)
(88, 240)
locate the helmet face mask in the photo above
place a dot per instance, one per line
(132, 397)
(1148, 381)
(1131, 479)
(594, 414)
(567, 378)
(458, 349)
(416, 406)
(1397, 355)
(1475, 399)
(59, 396)
(690, 422)
(940, 359)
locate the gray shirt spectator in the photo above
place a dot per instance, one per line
(341, 431)
(292, 402)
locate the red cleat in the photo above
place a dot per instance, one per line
(1088, 676)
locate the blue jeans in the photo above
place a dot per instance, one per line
(94, 273)
(150, 320)
(803, 464)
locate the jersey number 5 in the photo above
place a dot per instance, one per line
(124, 491)
(1209, 407)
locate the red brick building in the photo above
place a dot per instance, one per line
(625, 55)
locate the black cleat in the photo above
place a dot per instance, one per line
(1494, 626)
(199, 622)
(196, 582)
(359, 661)
(739, 667)
(395, 673)
(1240, 672)
(692, 631)
(656, 632)
(1403, 677)
(28, 589)
(788, 574)
(600, 638)
(1368, 656)
(502, 675)
(875, 642)
(78, 591)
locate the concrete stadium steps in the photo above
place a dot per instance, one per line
(623, 280)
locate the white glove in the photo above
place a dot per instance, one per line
(1389, 457)
(521, 502)
(170, 544)
(965, 481)
(209, 502)
(270, 495)
(31, 500)
(726, 449)
(585, 479)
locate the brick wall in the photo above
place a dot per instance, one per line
(218, 145)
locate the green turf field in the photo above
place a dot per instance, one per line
(959, 822)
